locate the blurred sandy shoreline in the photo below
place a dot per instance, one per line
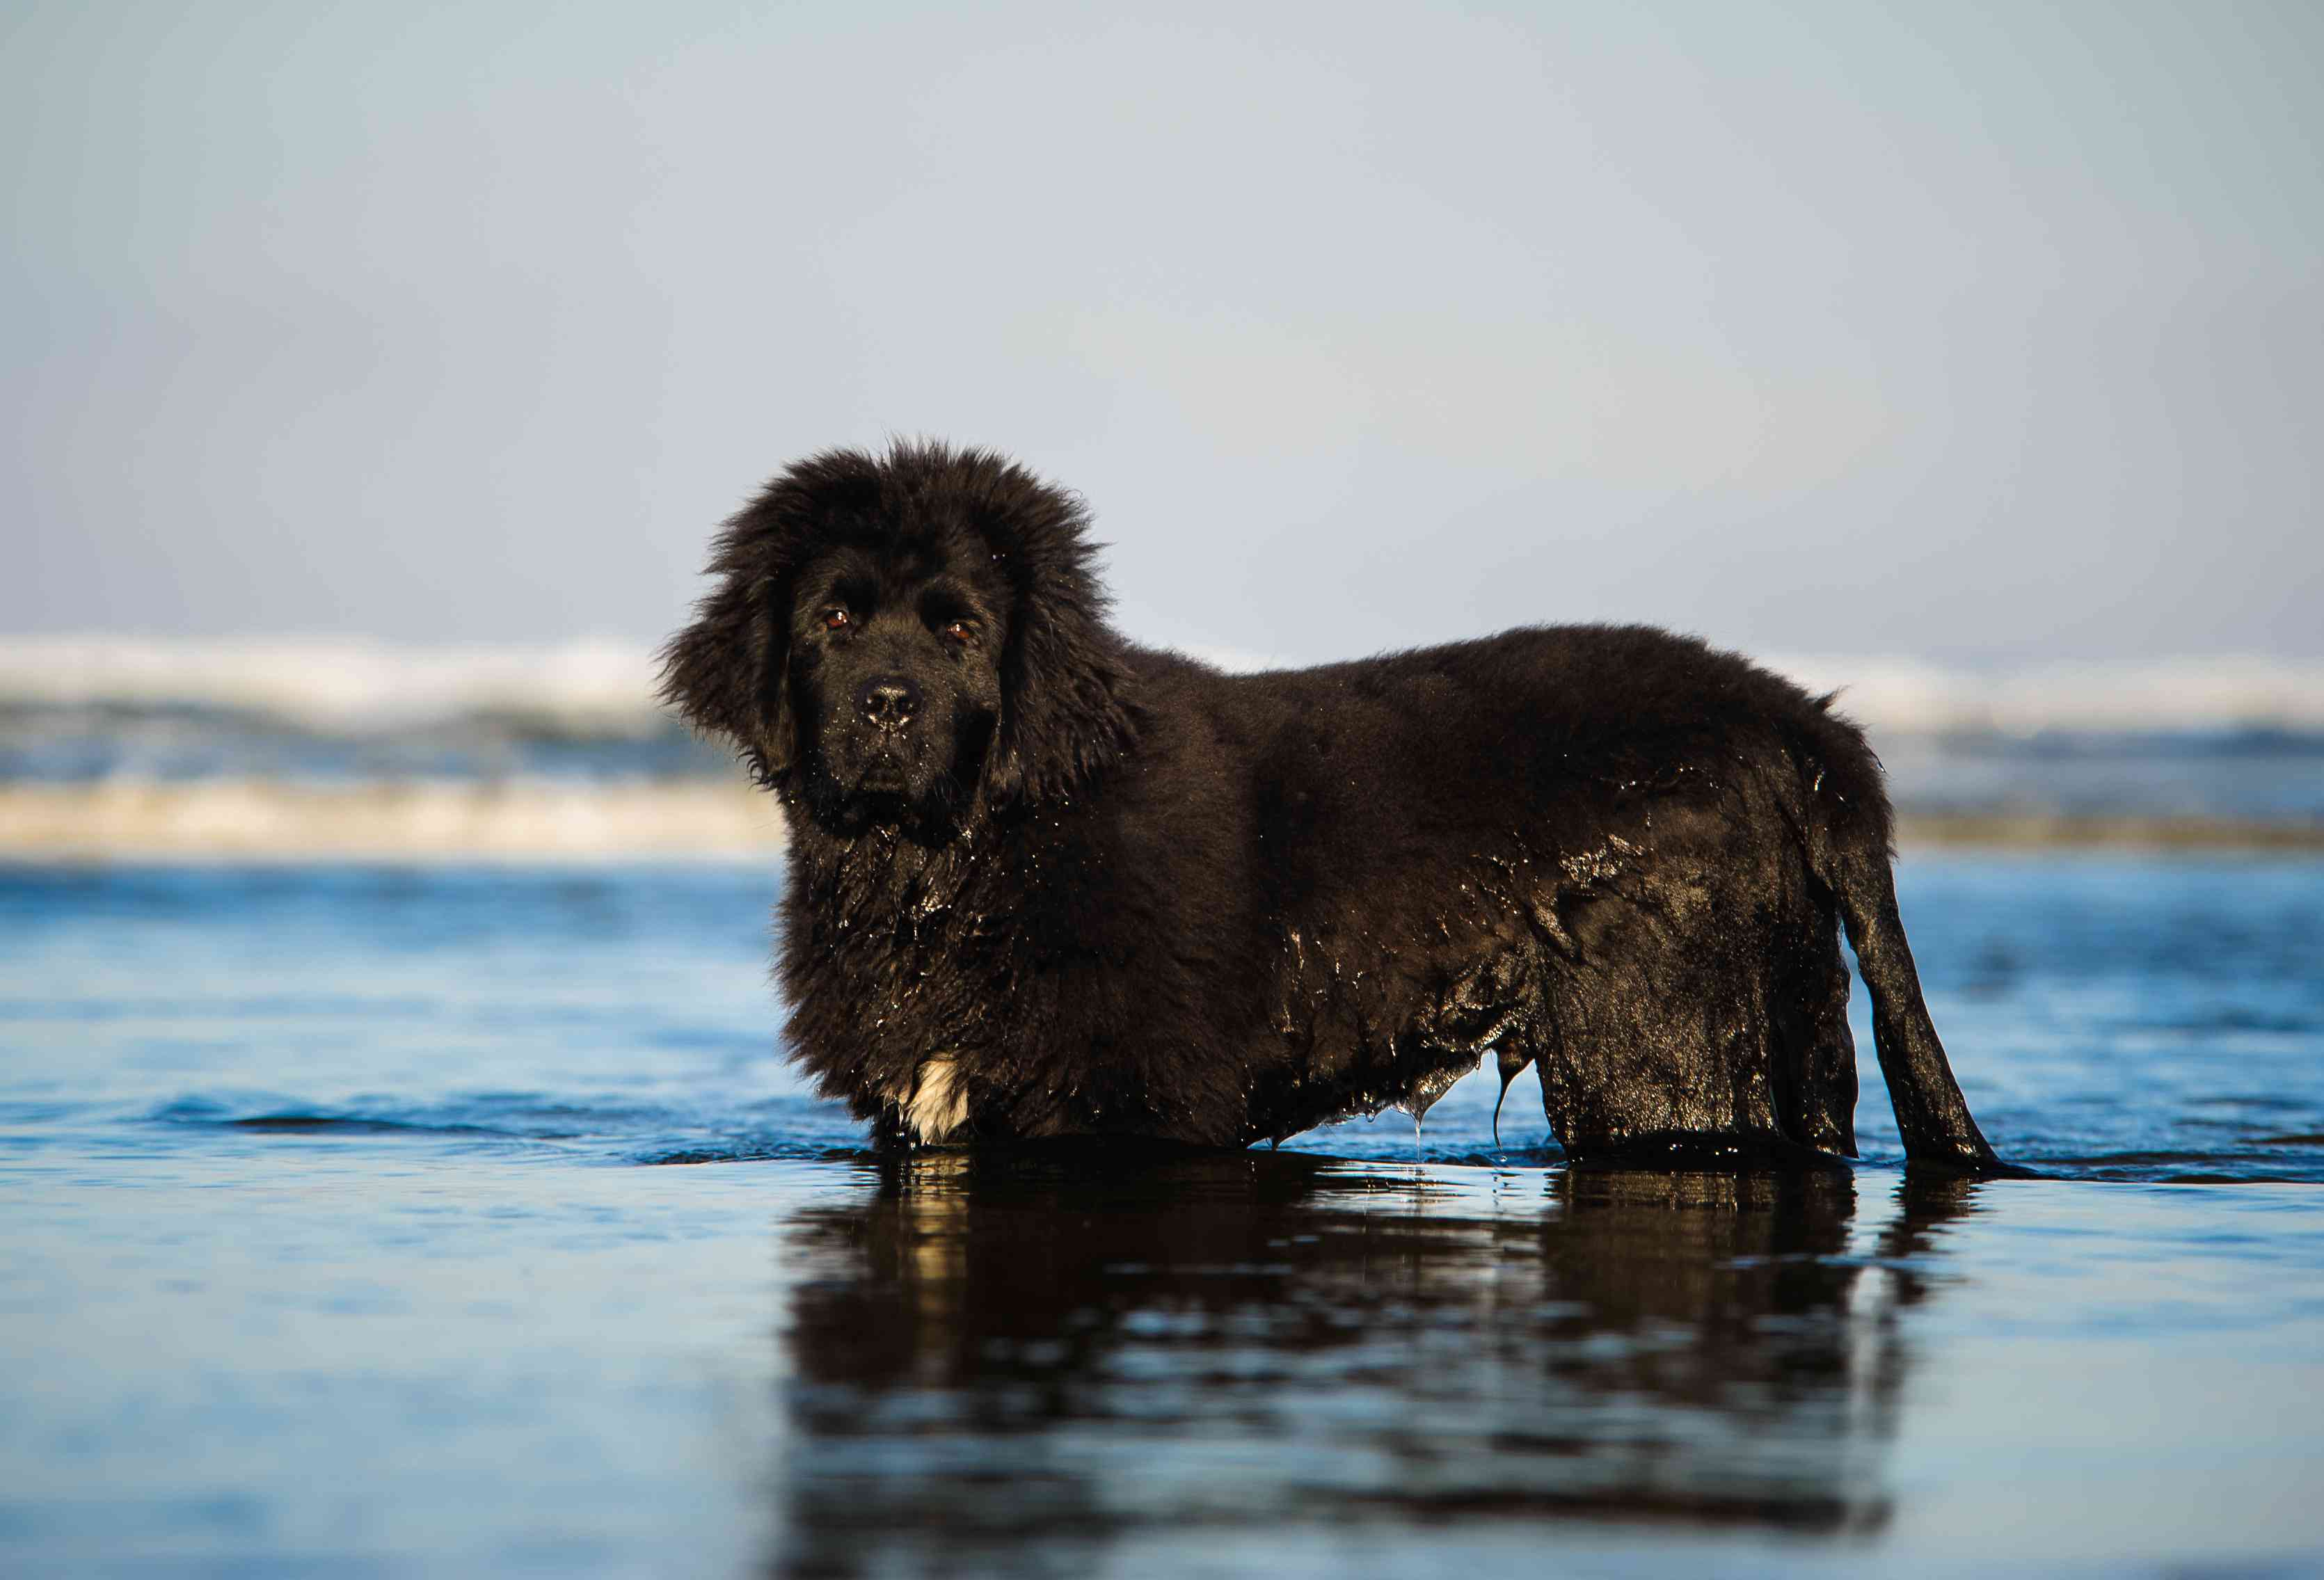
(523, 820)
(513, 820)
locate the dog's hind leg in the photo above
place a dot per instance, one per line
(1815, 1075)
(1658, 1043)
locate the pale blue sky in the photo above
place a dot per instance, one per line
(1986, 334)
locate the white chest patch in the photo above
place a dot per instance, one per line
(938, 1105)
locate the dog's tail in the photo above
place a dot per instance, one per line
(1854, 860)
(1931, 1112)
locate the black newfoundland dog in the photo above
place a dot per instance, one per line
(1047, 884)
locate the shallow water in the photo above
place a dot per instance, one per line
(331, 1248)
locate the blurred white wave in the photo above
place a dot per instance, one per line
(608, 686)
(2127, 696)
(602, 686)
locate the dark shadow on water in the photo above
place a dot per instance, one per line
(1020, 1365)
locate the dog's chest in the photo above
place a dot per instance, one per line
(887, 960)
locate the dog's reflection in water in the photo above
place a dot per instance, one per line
(1019, 1363)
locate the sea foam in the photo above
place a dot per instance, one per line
(608, 686)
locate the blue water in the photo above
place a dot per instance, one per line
(428, 1220)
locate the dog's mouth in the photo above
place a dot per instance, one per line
(884, 778)
(887, 788)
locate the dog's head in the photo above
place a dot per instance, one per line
(899, 638)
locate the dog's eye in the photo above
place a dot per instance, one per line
(835, 618)
(962, 632)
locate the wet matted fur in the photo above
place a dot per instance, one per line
(1046, 884)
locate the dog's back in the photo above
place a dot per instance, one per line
(1617, 854)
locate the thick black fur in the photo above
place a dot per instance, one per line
(1047, 884)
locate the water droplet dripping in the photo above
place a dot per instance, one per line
(1511, 1061)
(1426, 1091)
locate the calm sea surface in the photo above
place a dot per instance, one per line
(432, 1221)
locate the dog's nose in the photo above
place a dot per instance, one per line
(888, 701)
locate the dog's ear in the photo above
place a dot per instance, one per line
(1066, 711)
(725, 673)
